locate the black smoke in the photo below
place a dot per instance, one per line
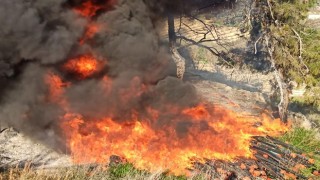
(38, 36)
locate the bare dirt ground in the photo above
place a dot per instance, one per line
(19, 150)
(235, 88)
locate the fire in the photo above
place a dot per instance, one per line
(169, 137)
(145, 140)
(227, 137)
(55, 88)
(83, 66)
(91, 30)
(89, 8)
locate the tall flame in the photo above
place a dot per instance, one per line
(197, 132)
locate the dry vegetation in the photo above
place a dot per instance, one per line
(300, 138)
(121, 171)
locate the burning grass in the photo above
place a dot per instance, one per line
(169, 137)
(298, 137)
(149, 148)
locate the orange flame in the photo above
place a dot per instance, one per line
(199, 132)
(227, 137)
(89, 8)
(83, 66)
(55, 87)
(91, 30)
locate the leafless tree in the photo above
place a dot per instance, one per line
(208, 33)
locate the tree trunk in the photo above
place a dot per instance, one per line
(176, 56)
(171, 30)
(284, 94)
(179, 60)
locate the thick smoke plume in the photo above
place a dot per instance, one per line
(37, 37)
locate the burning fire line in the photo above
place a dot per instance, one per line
(210, 132)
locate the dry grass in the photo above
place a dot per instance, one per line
(123, 171)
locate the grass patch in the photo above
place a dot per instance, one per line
(306, 141)
(125, 170)
(302, 139)
(201, 58)
(121, 171)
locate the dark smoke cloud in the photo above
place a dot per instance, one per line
(37, 30)
(25, 109)
(38, 36)
(131, 47)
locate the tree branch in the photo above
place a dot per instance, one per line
(255, 44)
(270, 9)
(211, 49)
(300, 50)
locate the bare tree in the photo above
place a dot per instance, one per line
(209, 33)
